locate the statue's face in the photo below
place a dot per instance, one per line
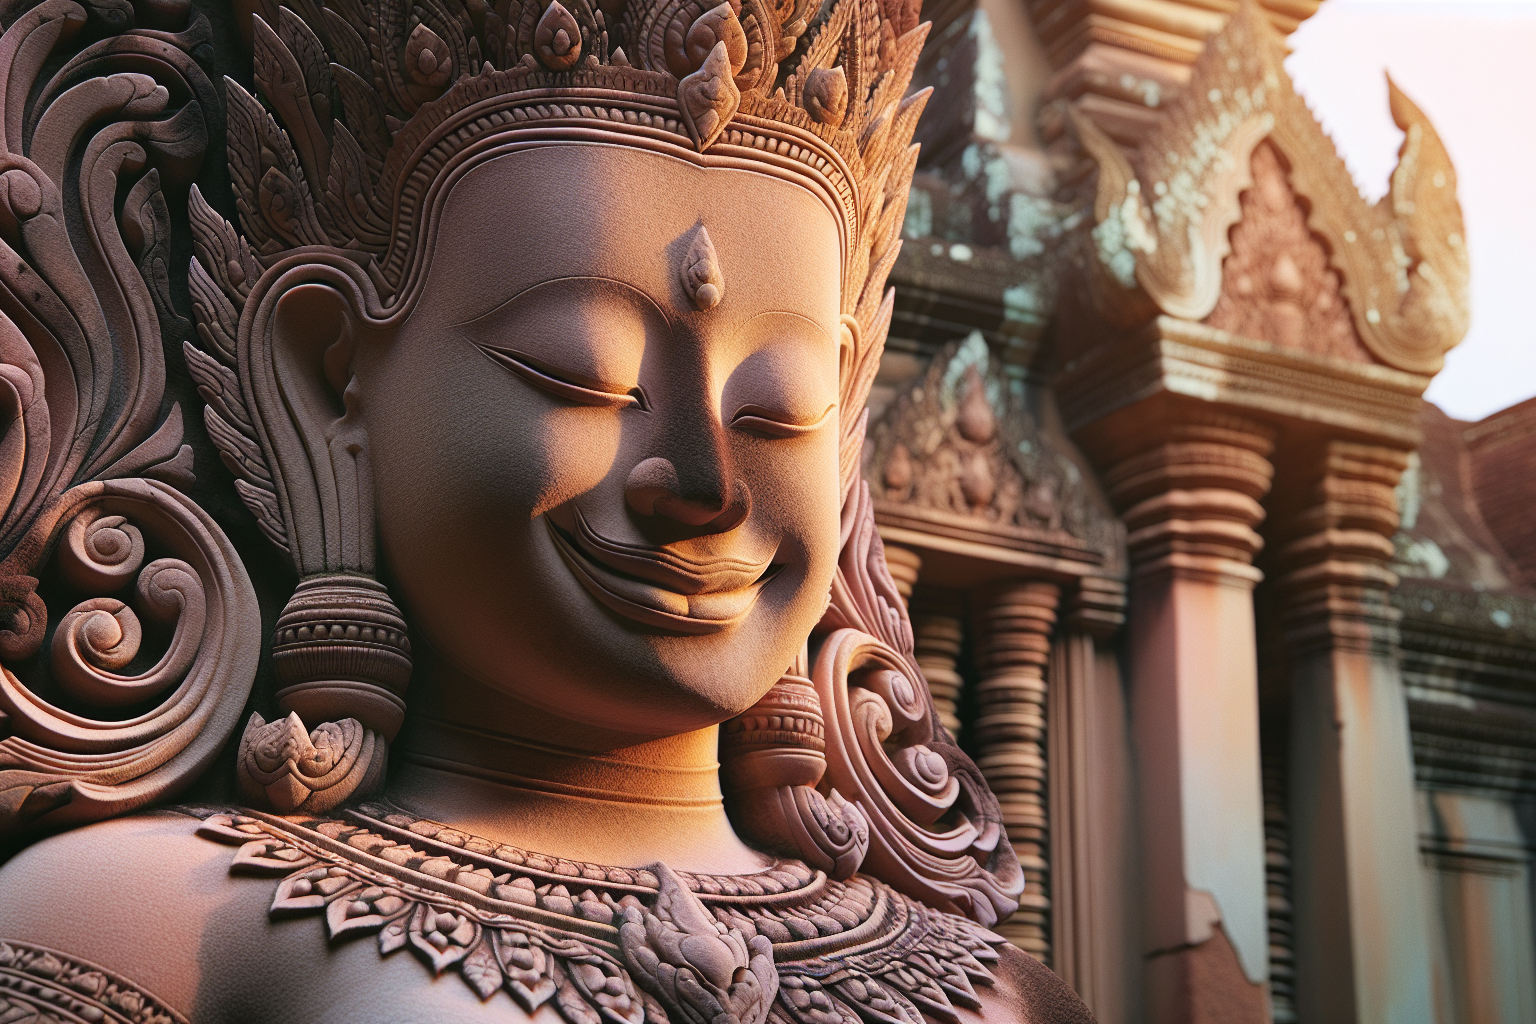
(592, 495)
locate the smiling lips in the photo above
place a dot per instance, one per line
(659, 587)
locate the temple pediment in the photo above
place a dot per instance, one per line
(1170, 214)
(962, 455)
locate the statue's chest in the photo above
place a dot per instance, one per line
(466, 930)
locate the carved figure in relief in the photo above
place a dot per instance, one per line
(536, 338)
(1278, 285)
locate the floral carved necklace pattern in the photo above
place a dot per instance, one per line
(43, 986)
(610, 945)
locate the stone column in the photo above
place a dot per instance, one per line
(938, 633)
(1015, 622)
(1361, 927)
(1190, 504)
(905, 566)
(1094, 945)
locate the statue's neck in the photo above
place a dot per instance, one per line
(491, 766)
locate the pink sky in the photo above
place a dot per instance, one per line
(1471, 66)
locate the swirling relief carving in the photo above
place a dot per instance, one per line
(857, 773)
(90, 463)
(935, 828)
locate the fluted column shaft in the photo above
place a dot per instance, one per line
(937, 632)
(938, 636)
(1191, 505)
(1360, 924)
(1015, 622)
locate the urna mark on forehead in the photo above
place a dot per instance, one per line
(595, 210)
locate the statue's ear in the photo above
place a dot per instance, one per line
(297, 363)
(847, 349)
(341, 652)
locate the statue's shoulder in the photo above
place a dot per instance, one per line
(1027, 992)
(151, 907)
(129, 900)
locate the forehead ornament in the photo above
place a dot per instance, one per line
(701, 275)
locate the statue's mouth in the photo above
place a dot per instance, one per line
(658, 586)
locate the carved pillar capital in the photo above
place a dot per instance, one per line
(1332, 550)
(1191, 500)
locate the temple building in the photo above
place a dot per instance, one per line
(1240, 628)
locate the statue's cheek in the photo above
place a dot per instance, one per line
(576, 450)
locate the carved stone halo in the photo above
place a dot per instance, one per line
(617, 945)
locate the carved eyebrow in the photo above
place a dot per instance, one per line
(624, 286)
(820, 329)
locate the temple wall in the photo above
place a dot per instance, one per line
(1180, 536)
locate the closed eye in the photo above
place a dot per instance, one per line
(761, 421)
(559, 387)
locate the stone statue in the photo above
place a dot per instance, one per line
(536, 342)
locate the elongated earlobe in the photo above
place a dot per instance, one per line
(290, 427)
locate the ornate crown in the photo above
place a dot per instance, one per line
(369, 100)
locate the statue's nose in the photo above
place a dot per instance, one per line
(654, 489)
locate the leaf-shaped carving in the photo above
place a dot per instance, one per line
(283, 765)
(296, 90)
(708, 98)
(701, 970)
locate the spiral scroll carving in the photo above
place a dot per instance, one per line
(90, 462)
(871, 781)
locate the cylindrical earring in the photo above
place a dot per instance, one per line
(771, 759)
(341, 651)
(343, 660)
